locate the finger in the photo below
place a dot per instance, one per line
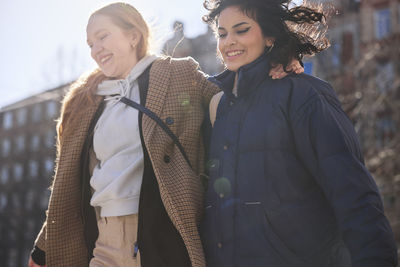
(300, 70)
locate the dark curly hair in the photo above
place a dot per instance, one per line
(298, 31)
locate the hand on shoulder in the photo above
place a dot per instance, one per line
(277, 72)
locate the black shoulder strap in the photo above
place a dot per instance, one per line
(142, 80)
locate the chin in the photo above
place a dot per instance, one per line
(233, 68)
(108, 74)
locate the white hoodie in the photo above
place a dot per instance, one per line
(117, 179)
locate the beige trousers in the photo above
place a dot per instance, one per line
(116, 242)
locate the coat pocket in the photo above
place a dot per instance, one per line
(280, 248)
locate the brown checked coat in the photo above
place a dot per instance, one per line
(176, 90)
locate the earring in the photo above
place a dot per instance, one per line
(269, 48)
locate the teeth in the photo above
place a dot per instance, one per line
(104, 59)
(231, 54)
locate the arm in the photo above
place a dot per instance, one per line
(38, 255)
(327, 144)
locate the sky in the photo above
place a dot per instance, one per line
(43, 42)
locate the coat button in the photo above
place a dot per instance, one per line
(169, 121)
(167, 159)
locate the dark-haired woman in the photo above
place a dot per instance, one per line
(288, 186)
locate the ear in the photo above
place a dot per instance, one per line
(134, 36)
(269, 41)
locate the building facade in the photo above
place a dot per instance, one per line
(380, 81)
(363, 65)
(202, 48)
(27, 152)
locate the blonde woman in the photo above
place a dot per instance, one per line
(122, 182)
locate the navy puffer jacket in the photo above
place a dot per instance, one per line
(288, 186)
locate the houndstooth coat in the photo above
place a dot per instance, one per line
(177, 90)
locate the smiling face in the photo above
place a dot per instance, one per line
(113, 48)
(240, 39)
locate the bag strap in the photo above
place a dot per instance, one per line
(160, 122)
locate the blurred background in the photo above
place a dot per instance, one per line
(43, 49)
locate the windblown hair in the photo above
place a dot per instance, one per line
(298, 31)
(82, 92)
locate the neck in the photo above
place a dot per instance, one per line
(235, 85)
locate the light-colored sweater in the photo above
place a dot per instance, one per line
(117, 178)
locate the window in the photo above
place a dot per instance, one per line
(50, 140)
(385, 127)
(48, 165)
(36, 113)
(382, 23)
(18, 172)
(29, 229)
(44, 201)
(8, 120)
(347, 50)
(33, 168)
(29, 200)
(16, 201)
(6, 147)
(336, 49)
(13, 256)
(398, 13)
(27, 252)
(51, 109)
(385, 76)
(21, 116)
(35, 142)
(12, 235)
(20, 143)
(5, 175)
(3, 201)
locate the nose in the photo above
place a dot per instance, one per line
(96, 48)
(230, 40)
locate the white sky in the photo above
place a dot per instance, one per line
(43, 42)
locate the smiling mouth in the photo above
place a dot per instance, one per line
(234, 53)
(103, 60)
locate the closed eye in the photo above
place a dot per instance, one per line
(244, 30)
(222, 35)
(102, 37)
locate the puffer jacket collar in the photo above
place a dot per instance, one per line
(249, 77)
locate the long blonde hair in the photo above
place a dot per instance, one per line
(82, 92)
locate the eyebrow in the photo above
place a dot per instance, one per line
(234, 26)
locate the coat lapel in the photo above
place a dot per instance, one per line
(157, 91)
